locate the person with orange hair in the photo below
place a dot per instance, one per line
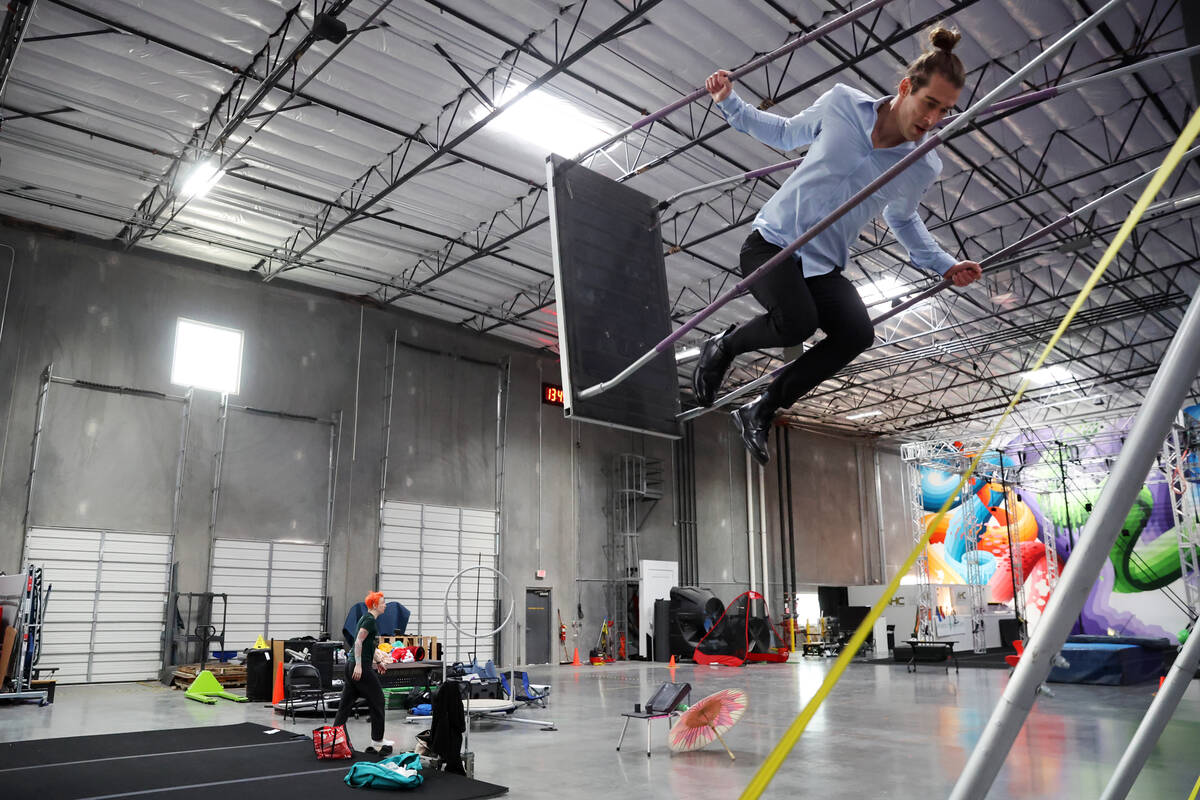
(364, 683)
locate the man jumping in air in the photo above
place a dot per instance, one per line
(852, 138)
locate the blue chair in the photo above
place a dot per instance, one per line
(527, 695)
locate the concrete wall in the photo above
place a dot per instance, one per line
(104, 315)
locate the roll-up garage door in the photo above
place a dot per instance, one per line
(421, 548)
(104, 616)
(275, 589)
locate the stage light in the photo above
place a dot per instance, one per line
(328, 27)
(204, 175)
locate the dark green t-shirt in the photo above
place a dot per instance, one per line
(369, 644)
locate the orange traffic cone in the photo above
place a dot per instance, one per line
(575, 662)
(277, 690)
(671, 663)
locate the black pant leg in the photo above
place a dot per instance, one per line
(791, 314)
(370, 688)
(848, 332)
(349, 698)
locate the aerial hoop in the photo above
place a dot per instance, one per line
(446, 603)
(508, 708)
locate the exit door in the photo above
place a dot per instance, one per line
(537, 626)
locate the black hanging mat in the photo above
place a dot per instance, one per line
(610, 285)
(192, 763)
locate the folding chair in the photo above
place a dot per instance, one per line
(527, 695)
(302, 683)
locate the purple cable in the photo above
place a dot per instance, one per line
(918, 153)
(814, 34)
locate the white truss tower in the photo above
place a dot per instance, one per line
(924, 628)
(1184, 513)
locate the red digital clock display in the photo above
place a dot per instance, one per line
(552, 395)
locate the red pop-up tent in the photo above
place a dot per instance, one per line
(739, 636)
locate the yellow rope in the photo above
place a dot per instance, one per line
(1195, 790)
(775, 759)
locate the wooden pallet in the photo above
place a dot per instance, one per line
(228, 675)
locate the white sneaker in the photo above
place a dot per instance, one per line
(381, 746)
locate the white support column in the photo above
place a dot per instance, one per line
(750, 548)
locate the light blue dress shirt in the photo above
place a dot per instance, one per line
(840, 161)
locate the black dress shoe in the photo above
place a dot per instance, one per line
(714, 360)
(753, 422)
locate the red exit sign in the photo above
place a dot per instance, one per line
(552, 395)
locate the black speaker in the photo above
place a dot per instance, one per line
(259, 677)
(1010, 631)
(662, 630)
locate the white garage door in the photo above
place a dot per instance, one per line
(276, 589)
(421, 547)
(104, 617)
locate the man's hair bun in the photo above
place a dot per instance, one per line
(944, 39)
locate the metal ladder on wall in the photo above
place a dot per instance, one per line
(635, 486)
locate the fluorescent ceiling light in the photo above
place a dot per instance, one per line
(207, 357)
(876, 292)
(687, 354)
(541, 119)
(1053, 374)
(204, 176)
(863, 414)
(1091, 398)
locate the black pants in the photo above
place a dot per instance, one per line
(796, 306)
(369, 689)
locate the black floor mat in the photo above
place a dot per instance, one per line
(437, 786)
(116, 745)
(177, 765)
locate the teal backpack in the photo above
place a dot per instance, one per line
(401, 771)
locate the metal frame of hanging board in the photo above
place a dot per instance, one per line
(405, 539)
(334, 422)
(261, 575)
(96, 561)
(422, 547)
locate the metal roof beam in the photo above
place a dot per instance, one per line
(395, 173)
(12, 33)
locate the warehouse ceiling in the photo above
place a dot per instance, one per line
(387, 166)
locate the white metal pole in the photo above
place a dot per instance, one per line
(762, 535)
(1166, 395)
(750, 521)
(1157, 717)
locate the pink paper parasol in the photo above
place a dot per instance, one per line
(707, 720)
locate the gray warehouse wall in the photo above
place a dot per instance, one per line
(104, 315)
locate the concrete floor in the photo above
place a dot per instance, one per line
(881, 734)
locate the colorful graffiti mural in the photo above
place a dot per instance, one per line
(1128, 598)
